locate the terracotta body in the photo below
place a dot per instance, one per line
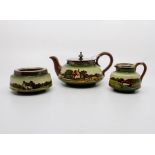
(125, 78)
(81, 71)
(29, 80)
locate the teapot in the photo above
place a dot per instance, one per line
(125, 78)
(81, 71)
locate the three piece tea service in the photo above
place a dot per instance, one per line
(79, 72)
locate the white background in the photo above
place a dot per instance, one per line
(71, 110)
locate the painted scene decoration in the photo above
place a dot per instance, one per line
(132, 83)
(30, 85)
(80, 75)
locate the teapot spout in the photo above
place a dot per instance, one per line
(57, 65)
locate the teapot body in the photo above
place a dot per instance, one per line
(81, 74)
(125, 78)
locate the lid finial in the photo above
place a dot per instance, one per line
(81, 56)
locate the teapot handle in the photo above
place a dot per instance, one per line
(145, 68)
(110, 63)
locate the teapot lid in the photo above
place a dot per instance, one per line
(81, 61)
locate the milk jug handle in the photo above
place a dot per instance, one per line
(144, 71)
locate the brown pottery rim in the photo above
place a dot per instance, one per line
(30, 71)
(125, 65)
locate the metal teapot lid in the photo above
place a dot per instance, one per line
(81, 61)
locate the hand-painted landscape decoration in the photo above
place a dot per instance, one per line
(125, 78)
(81, 71)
